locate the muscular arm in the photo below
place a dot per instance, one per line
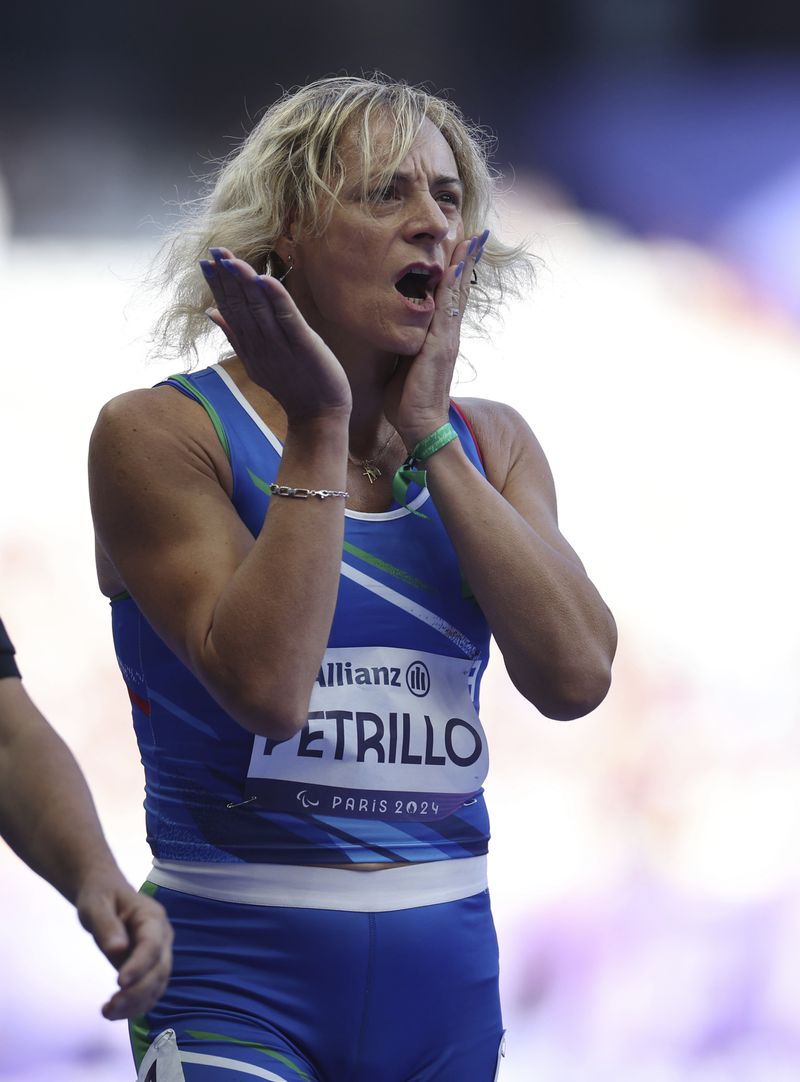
(48, 818)
(249, 616)
(555, 632)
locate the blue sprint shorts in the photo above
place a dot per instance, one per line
(319, 995)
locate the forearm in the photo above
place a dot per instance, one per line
(555, 632)
(47, 815)
(272, 621)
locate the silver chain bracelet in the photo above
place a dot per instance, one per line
(304, 493)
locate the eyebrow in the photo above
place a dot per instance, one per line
(436, 182)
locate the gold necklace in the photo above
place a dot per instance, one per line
(368, 465)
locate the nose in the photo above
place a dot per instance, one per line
(426, 219)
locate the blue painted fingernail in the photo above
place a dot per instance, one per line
(229, 265)
(217, 254)
(459, 269)
(485, 236)
(208, 269)
(472, 246)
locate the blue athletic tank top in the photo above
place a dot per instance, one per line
(391, 762)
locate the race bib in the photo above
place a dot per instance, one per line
(391, 734)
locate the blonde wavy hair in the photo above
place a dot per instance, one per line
(290, 169)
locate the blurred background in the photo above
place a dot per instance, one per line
(644, 868)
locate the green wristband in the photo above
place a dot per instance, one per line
(409, 473)
(435, 442)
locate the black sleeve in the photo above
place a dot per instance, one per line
(8, 666)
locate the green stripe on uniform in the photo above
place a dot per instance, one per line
(212, 413)
(360, 554)
(390, 569)
(199, 1035)
(261, 485)
(140, 1038)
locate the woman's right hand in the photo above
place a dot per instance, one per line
(280, 351)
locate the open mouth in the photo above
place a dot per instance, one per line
(416, 286)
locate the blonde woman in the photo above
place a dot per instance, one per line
(307, 547)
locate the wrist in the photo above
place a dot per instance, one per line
(101, 875)
(413, 436)
(323, 425)
(102, 866)
(327, 434)
(414, 469)
(315, 454)
(429, 445)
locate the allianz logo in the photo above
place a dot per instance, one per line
(337, 674)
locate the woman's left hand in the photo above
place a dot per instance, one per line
(418, 394)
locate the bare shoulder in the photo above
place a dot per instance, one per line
(158, 476)
(151, 427)
(147, 409)
(507, 443)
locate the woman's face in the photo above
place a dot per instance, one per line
(344, 282)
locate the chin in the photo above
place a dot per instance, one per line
(408, 341)
(406, 350)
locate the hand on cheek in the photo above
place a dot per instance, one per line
(418, 396)
(453, 292)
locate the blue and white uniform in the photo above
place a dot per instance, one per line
(286, 968)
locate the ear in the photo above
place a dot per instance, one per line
(283, 249)
(285, 245)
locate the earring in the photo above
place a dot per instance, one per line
(288, 269)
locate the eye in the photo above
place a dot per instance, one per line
(383, 195)
(451, 198)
